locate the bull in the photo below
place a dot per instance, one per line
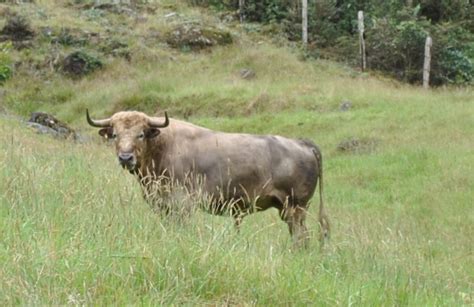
(250, 172)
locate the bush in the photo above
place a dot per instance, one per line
(409, 44)
(453, 54)
(17, 28)
(5, 62)
(80, 63)
(455, 68)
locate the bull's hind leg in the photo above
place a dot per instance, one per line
(300, 218)
(295, 217)
(238, 217)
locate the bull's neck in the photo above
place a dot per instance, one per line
(153, 157)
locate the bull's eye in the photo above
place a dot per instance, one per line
(141, 136)
(114, 136)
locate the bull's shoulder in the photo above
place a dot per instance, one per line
(182, 125)
(181, 130)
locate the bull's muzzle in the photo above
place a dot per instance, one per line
(127, 160)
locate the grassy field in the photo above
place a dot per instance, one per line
(75, 229)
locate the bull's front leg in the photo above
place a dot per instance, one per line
(156, 192)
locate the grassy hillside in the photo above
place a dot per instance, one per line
(76, 230)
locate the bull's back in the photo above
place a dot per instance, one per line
(243, 165)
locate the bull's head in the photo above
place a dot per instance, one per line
(131, 132)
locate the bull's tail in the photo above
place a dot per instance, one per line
(323, 218)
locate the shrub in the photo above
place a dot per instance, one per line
(409, 49)
(453, 54)
(17, 28)
(5, 62)
(80, 63)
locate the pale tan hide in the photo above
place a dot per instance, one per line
(251, 172)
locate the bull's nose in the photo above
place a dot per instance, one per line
(125, 157)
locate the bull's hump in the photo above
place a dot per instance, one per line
(129, 118)
(179, 124)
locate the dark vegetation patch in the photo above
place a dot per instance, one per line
(80, 63)
(196, 37)
(5, 62)
(116, 48)
(358, 145)
(73, 37)
(18, 30)
(121, 9)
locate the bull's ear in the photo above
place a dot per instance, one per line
(107, 132)
(151, 132)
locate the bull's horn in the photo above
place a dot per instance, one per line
(154, 122)
(101, 123)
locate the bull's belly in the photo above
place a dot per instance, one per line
(238, 205)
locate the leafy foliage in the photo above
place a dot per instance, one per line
(80, 63)
(395, 33)
(5, 62)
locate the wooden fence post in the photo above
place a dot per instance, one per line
(304, 13)
(241, 10)
(363, 61)
(427, 64)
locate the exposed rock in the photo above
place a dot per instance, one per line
(171, 14)
(229, 17)
(355, 145)
(247, 73)
(40, 129)
(46, 31)
(345, 106)
(116, 8)
(196, 37)
(45, 123)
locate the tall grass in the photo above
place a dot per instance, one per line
(76, 230)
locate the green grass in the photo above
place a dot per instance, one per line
(75, 229)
